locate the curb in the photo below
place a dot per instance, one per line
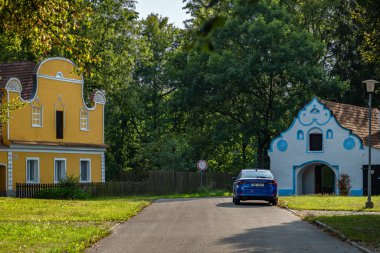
(114, 226)
(334, 231)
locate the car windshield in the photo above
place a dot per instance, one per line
(256, 174)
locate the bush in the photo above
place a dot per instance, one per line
(68, 189)
(344, 184)
(63, 193)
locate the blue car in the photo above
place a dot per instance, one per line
(255, 184)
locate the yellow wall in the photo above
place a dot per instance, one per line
(47, 166)
(60, 95)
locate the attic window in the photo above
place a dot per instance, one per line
(59, 75)
(315, 140)
(83, 119)
(36, 116)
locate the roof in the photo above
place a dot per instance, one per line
(355, 118)
(24, 71)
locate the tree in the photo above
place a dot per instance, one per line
(33, 29)
(262, 68)
(7, 108)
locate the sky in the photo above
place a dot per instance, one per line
(166, 8)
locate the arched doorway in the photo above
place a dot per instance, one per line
(3, 180)
(316, 178)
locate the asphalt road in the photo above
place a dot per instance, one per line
(216, 225)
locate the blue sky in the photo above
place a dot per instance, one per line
(166, 8)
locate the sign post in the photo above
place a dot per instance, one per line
(202, 166)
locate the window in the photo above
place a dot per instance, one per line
(84, 120)
(32, 170)
(300, 135)
(59, 124)
(315, 142)
(59, 169)
(36, 116)
(329, 134)
(85, 170)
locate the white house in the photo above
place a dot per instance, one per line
(325, 140)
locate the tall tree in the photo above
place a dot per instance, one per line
(262, 68)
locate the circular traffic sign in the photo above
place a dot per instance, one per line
(202, 165)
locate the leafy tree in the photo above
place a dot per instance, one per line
(262, 68)
(7, 108)
(31, 30)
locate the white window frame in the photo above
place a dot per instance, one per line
(89, 170)
(55, 169)
(38, 170)
(40, 116)
(84, 111)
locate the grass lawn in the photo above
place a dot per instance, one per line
(37, 225)
(360, 228)
(364, 229)
(326, 202)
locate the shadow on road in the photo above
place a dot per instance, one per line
(294, 236)
(244, 204)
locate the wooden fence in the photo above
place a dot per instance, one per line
(157, 183)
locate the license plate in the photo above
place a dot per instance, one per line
(258, 185)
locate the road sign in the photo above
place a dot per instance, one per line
(202, 165)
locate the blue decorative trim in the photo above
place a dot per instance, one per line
(327, 114)
(285, 192)
(281, 135)
(282, 145)
(349, 143)
(356, 192)
(329, 134)
(300, 135)
(319, 122)
(315, 111)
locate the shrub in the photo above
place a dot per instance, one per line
(344, 184)
(68, 189)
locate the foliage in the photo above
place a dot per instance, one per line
(7, 108)
(65, 192)
(220, 89)
(344, 184)
(329, 202)
(69, 188)
(33, 29)
(247, 82)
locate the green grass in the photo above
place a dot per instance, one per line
(38, 225)
(359, 228)
(326, 202)
(48, 236)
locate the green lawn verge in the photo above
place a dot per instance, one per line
(38, 225)
(326, 202)
(360, 228)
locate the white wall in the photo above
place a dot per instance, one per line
(285, 164)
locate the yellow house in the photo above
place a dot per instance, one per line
(55, 134)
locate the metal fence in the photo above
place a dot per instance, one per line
(156, 183)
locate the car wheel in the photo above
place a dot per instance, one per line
(236, 201)
(274, 202)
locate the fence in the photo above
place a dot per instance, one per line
(156, 183)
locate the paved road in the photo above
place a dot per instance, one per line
(216, 225)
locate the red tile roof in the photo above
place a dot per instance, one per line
(24, 71)
(355, 118)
